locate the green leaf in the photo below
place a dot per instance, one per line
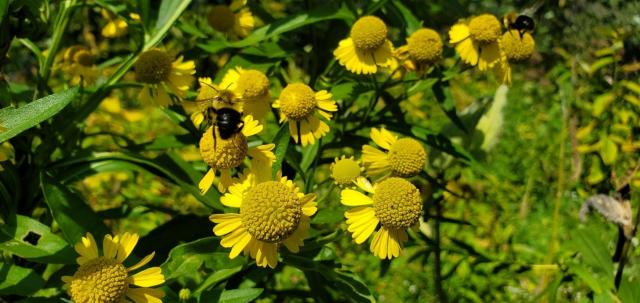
(279, 27)
(629, 291)
(48, 247)
(187, 259)
(281, 139)
(215, 278)
(73, 215)
(243, 295)
(608, 150)
(17, 120)
(442, 92)
(16, 280)
(412, 23)
(587, 277)
(593, 249)
(601, 103)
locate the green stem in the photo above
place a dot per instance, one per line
(437, 267)
(62, 20)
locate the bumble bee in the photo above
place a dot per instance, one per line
(521, 23)
(226, 119)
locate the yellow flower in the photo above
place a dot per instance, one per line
(235, 20)
(514, 47)
(225, 154)
(477, 41)
(78, 62)
(116, 27)
(272, 213)
(403, 157)
(423, 49)
(104, 279)
(395, 205)
(345, 171)
(252, 87)
(366, 48)
(298, 103)
(159, 75)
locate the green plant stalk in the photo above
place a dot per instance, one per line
(437, 267)
(62, 20)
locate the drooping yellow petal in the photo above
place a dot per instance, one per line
(227, 225)
(197, 118)
(207, 181)
(489, 56)
(231, 239)
(468, 51)
(225, 180)
(145, 95)
(244, 23)
(375, 161)
(309, 207)
(383, 55)
(142, 262)
(380, 243)
(306, 132)
(350, 197)
(296, 239)
(364, 184)
(383, 138)
(354, 60)
(145, 295)
(151, 276)
(127, 242)
(267, 255)
(240, 245)
(458, 32)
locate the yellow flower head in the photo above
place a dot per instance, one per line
(345, 171)
(159, 75)
(226, 154)
(423, 49)
(366, 48)
(513, 48)
(298, 104)
(476, 42)
(78, 63)
(251, 86)
(272, 213)
(104, 279)
(234, 21)
(396, 205)
(403, 157)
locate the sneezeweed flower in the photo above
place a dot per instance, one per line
(104, 279)
(272, 213)
(423, 49)
(476, 41)
(404, 157)
(236, 21)
(226, 154)
(251, 86)
(366, 48)
(345, 171)
(213, 95)
(78, 63)
(298, 104)
(395, 205)
(160, 74)
(116, 26)
(514, 48)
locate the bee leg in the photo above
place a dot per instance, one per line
(215, 138)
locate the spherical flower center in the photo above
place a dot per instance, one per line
(100, 280)
(297, 101)
(344, 171)
(397, 203)
(253, 84)
(407, 157)
(485, 28)
(270, 211)
(221, 18)
(368, 33)
(425, 46)
(83, 57)
(223, 153)
(153, 66)
(517, 48)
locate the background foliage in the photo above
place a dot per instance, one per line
(509, 168)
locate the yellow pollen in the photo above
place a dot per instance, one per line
(407, 157)
(227, 153)
(271, 211)
(516, 48)
(153, 66)
(297, 101)
(425, 46)
(345, 171)
(100, 280)
(221, 18)
(253, 84)
(369, 33)
(397, 203)
(485, 28)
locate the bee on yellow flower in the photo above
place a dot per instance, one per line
(298, 104)
(235, 20)
(404, 157)
(477, 41)
(394, 204)
(160, 75)
(514, 47)
(251, 86)
(366, 48)
(272, 213)
(104, 279)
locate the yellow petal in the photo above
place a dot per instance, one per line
(149, 277)
(233, 238)
(145, 295)
(110, 246)
(350, 197)
(142, 262)
(251, 126)
(468, 51)
(240, 245)
(383, 138)
(207, 181)
(489, 56)
(86, 248)
(458, 32)
(228, 225)
(127, 243)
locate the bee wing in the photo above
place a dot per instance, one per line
(531, 10)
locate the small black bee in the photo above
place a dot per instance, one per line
(521, 23)
(229, 121)
(226, 120)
